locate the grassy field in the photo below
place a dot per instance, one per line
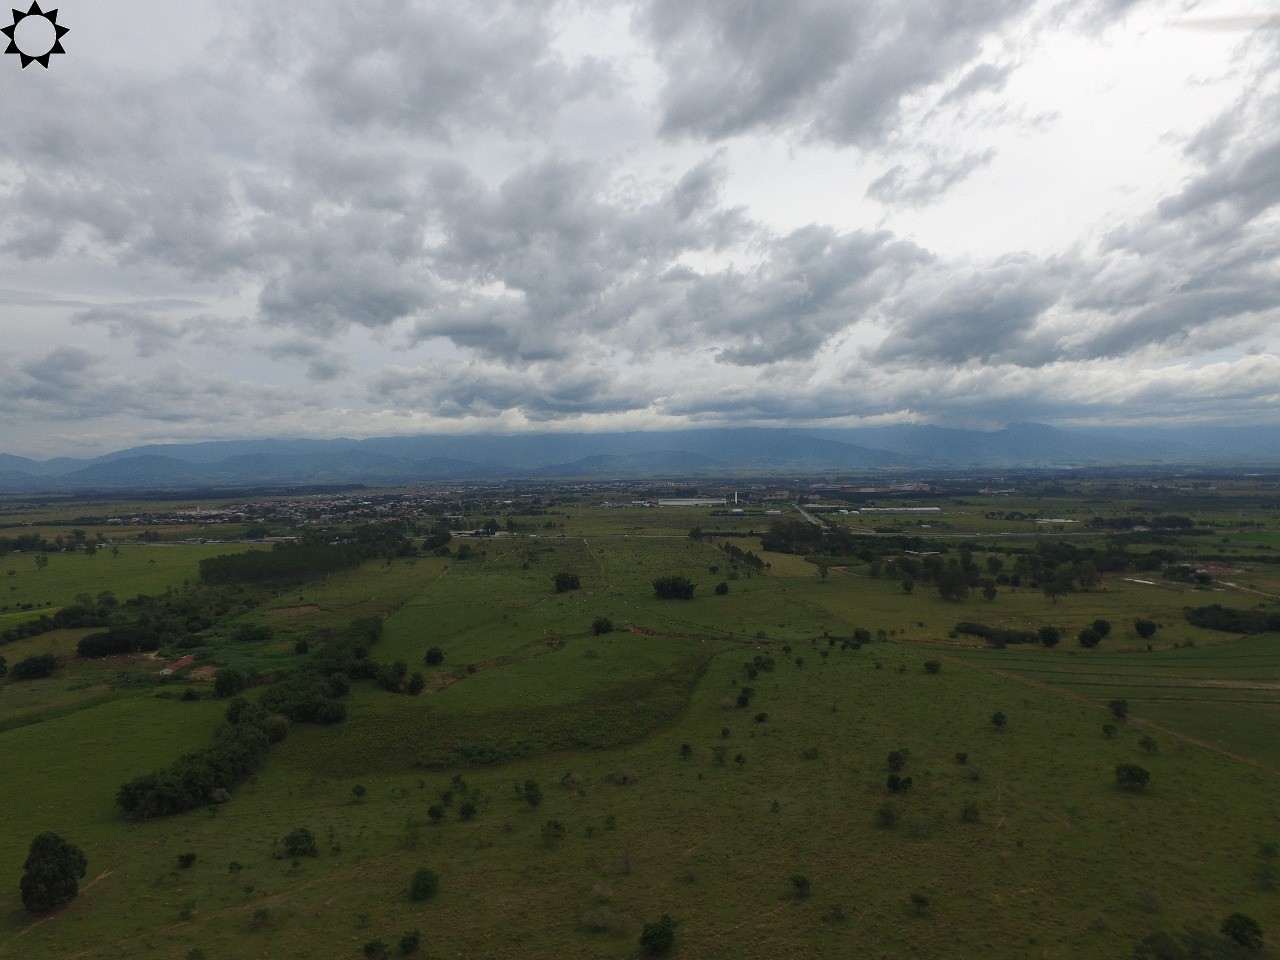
(666, 796)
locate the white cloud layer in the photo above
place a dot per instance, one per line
(316, 218)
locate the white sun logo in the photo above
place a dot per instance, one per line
(40, 31)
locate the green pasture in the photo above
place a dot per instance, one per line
(1026, 849)
(137, 569)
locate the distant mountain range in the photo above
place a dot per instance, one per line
(706, 452)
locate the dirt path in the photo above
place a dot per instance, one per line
(1079, 698)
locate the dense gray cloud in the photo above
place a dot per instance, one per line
(430, 68)
(549, 214)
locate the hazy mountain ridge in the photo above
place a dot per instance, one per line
(697, 452)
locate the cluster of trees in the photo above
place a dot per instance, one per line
(998, 636)
(312, 693)
(745, 557)
(83, 613)
(202, 777)
(1218, 617)
(310, 558)
(674, 588)
(145, 623)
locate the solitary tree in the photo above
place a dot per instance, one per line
(1146, 629)
(657, 939)
(423, 884)
(565, 581)
(601, 626)
(1050, 636)
(1089, 638)
(998, 720)
(673, 588)
(435, 656)
(1119, 708)
(51, 874)
(1130, 776)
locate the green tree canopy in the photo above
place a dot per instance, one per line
(51, 874)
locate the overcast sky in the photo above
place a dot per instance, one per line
(325, 218)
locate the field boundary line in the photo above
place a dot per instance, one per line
(1067, 694)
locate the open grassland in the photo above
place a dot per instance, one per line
(669, 797)
(138, 568)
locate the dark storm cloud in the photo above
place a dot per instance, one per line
(836, 70)
(899, 184)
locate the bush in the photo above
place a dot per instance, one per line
(409, 943)
(721, 588)
(601, 626)
(887, 816)
(657, 939)
(229, 681)
(424, 884)
(603, 919)
(998, 720)
(1103, 627)
(800, 886)
(298, 843)
(1244, 930)
(1119, 708)
(1049, 636)
(1146, 629)
(932, 666)
(376, 950)
(1089, 638)
(34, 668)
(435, 656)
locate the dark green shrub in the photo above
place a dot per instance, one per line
(658, 939)
(1244, 930)
(298, 843)
(424, 884)
(409, 943)
(34, 668)
(1089, 638)
(565, 582)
